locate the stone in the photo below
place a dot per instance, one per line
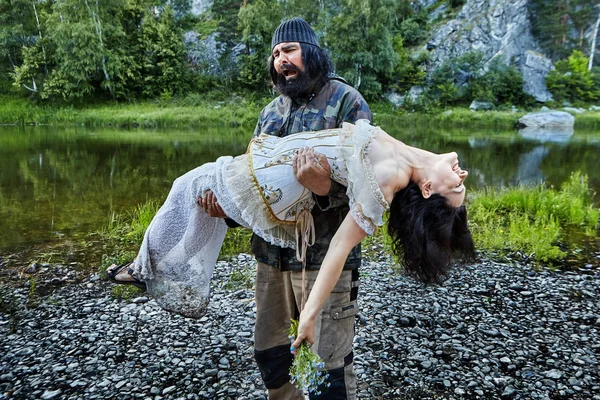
(574, 110)
(51, 394)
(547, 119)
(481, 105)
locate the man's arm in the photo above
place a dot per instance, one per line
(210, 202)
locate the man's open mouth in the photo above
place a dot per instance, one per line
(289, 73)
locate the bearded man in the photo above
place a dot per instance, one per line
(311, 98)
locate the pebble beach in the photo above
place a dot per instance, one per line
(491, 331)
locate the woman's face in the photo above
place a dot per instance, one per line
(447, 179)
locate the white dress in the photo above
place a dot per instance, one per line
(259, 191)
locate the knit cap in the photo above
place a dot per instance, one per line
(294, 30)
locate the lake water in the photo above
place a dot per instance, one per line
(57, 185)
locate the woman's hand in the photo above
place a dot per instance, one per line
(312, 171)
(306, 332)
(210, 205)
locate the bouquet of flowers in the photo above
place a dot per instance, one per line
(308, 369)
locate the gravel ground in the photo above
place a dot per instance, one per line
(492, 331)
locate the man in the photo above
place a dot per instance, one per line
(311, 99)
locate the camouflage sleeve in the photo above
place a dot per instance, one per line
(257, 129)
(356, 109)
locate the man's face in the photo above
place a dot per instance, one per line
(292, 79)
(287, 59)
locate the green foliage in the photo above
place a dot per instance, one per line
(461, 80)
(17, 29)
(129, 228)
(455, 3)
(257, 22)
(361, 44)
(451, 81)
(559, 25)
(117, 49)
(501, 84)
(237, 241)
(572, 81)
(412, 31)
(242, 277)
(163, 65)
(410, 69)
(308, 369)
(225, 12)
(532, 220)
(126, 292)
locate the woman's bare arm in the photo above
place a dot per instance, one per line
(348, 235)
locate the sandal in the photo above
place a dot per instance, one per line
(114, 270)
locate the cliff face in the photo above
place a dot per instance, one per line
(496, 28)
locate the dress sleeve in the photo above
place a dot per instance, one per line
(367, 203)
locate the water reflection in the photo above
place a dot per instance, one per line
(57, 185)
(530, 171)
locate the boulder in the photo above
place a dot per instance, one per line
(547, 119)
(393, 97)
(574, 110)
(477, 105)
(413, 94)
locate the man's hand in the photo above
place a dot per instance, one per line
(312, 171)
(211, 206)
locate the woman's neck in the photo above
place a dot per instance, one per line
(396, 164)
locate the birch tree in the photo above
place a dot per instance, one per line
(594, 36)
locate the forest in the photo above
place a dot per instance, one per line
(91, 51)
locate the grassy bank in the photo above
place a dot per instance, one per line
(192, 111)
(539, 224)
(464, 117)
(197, 110)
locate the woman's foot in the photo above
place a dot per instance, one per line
(123, 275)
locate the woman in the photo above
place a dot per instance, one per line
(424, 192)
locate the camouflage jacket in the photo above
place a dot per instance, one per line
(334, 103)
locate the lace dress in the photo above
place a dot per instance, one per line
(259, 191)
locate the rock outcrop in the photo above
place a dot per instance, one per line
(496, 28)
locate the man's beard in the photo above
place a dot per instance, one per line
(297, 87)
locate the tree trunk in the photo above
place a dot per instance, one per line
(33, 88)
(37, 20)
(98, 26)
(594, 34)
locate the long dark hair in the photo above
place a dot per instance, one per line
(317, 64)
(427, 233)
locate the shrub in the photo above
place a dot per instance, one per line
(572, 81)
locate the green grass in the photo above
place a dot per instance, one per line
(202, 109)
(193, 111)
(532, 221)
